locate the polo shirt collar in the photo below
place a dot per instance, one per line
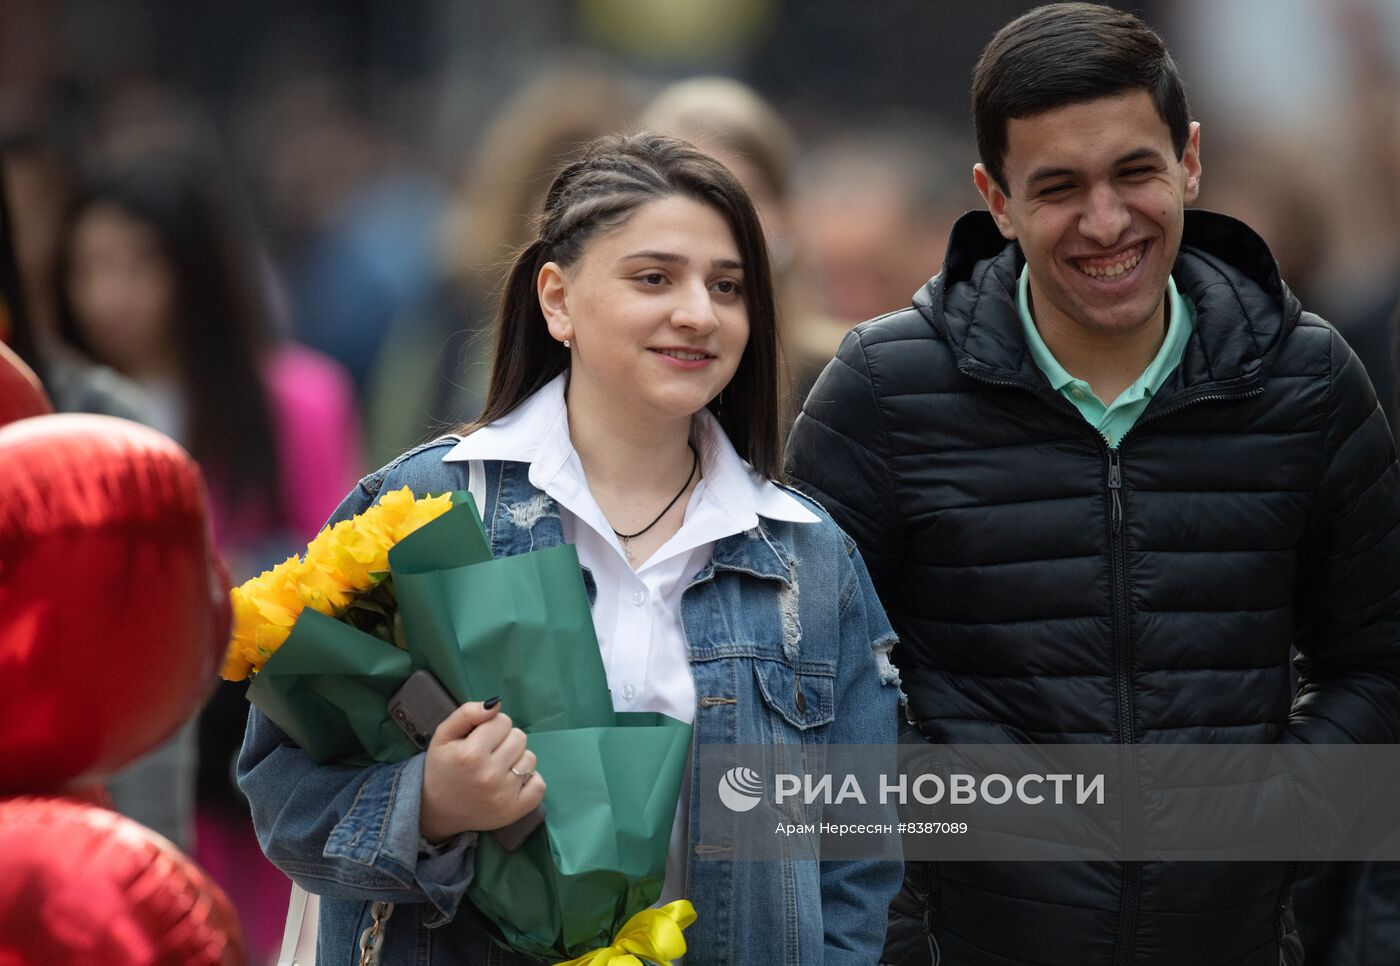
(1168, 355)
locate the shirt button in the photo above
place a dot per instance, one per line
(1077, 393)
(629, 692)
(639, 598)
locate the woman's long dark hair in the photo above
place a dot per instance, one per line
(616, 175)
(219, 315)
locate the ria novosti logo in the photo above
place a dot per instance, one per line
(740, 789)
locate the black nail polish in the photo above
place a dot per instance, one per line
(490, 703)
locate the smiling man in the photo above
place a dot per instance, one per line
(1106, 472)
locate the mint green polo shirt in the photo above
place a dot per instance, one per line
(1115, 419)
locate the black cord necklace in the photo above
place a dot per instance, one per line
(627, 538)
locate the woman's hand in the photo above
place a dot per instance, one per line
(478, 776)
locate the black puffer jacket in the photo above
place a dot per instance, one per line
(1048, 589)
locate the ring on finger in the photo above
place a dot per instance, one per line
(524, 776)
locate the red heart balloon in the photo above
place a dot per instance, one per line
(21, 395)
(82, 885)
(115, 611)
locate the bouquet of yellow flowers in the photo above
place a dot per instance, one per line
(338, 577)
(411, 583)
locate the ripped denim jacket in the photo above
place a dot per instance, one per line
(788, 644)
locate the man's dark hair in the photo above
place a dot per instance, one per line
(1067, 53)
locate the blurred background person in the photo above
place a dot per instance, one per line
(158, 789)
(158, 279)
(1285, 202)
(37, 181)
(731, 122)
(874, 207)
(432, 372)
(1319, 166)
(37, 177)
(356, 216)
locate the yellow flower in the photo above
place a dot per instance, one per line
(236, 664)
(343, 560)
(270, 638)
(264, 610)
(322, 587)
(391, 509)
(354, 553)
(420, 512)
(274, 595)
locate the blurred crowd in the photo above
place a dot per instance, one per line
(274, 231)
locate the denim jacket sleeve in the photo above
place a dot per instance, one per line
(856, 895)
(346, 831)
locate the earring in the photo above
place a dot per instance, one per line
(566, 343)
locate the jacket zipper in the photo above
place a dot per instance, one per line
(1132, 871)
(1284, 894)
(932, 881)
(1115, 486)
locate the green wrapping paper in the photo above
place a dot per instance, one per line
(328, 687)
(518, 627)
(610, 804)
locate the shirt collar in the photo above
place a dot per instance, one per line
(737, 485)
(537, 433)
(1181, 318)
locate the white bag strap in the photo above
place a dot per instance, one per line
(299, 935)
(476, 475)
(476, 484)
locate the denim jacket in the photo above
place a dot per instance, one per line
(350, 834)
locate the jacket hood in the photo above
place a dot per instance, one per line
(1243, 309)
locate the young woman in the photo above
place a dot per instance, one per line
(156, 280)
(633, 412)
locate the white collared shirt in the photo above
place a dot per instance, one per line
(637, 613)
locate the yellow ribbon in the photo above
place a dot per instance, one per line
(651, 936)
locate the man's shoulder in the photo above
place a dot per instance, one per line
(890, 366)
(896, 347)
(1312, 326)
(1308, 348)
(902, 325)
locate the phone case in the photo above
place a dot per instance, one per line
(420, 705)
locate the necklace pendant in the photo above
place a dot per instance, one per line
(626, 538)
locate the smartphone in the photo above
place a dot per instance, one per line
(418, 707)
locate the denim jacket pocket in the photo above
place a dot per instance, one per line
(805, 699)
